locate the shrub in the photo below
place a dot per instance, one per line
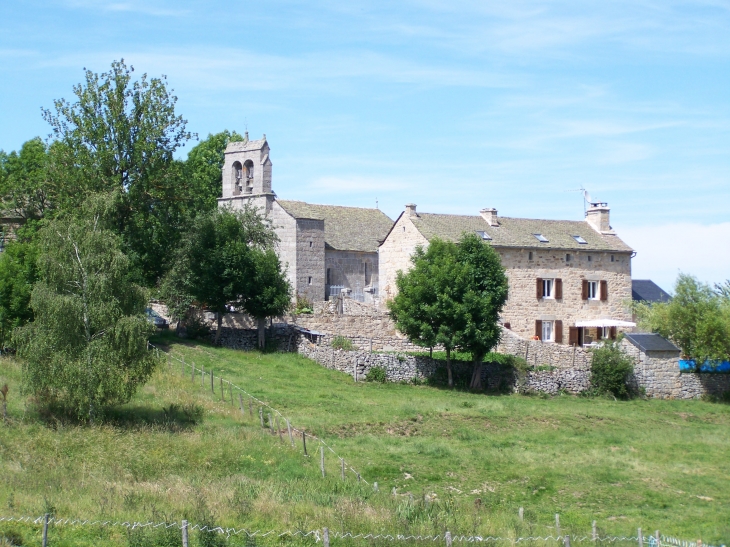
(610, 371)
(303, 305)
(340, 342)
(377, 374)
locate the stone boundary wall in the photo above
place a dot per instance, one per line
(538, 353)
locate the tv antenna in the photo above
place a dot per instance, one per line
(586, 197)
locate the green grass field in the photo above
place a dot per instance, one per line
(176, 451)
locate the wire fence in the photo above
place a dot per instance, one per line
(324, 535)
(291, 430)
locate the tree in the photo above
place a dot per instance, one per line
(426, 308)
(268, 293)
(18, 273)
(483, 292)
(87, 346)
(120, 136)
(24, 180)
(203, 169)
(611, 370)
(215, 262)
(697, 319)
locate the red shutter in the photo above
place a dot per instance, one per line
(559, 289)
(507, 326)
(613, 333)
(539, 288)
(604, 290)
(584, 294)
(538, 329)
(573, 336)
(558, 332)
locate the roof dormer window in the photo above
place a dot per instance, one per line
(541, 238)
(580, 240)
(484, 235)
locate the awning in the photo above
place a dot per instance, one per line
(604, 323)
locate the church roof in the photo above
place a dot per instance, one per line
(345, 228)
(520, 232)
(245, 145)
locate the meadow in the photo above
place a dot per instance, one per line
(460, 461)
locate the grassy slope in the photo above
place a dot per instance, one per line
(654, 464)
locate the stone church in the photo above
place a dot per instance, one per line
(327, 249)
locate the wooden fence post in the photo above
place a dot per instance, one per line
(658, 538)
(212, 377)
(223, 393)
(522, 514)
(640, 538)
(304, 443)
(240, 404)
(261, 416)
(250, 407)
(375, 486)
(358, 477)
(447, 535)
(557, 524)
(45, 530)
(202, 375)
(321, 459)
(566, 541)
(288, 427)
(325, 537)
(594, 532)
(192, 373)
(185, 533)
(230, 392)
(278, 428)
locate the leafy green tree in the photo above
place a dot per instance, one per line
(482, 290)
(697, 320)
(215, 262)
(25, 180)
(427, 307)
(87, 346)
(611, 370)
(18, 273)
(268, 293)
(119, 136)
(203, 169)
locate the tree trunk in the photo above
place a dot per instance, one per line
(448, 367)
(219, 318)
(476, 377)
(261, 327)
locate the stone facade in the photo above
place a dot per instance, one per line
(356, 271)
(601, 260)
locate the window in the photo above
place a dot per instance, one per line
(310, 243)
(529, 255)
(590, 258)
(541, 238)
(249, 169)
(568, 257)
(580, 240)
(310, 280)
(484, 235)
(547, 288)
(593, 290)
(613, 258)
(547, 331)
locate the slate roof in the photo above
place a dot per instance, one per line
(245, 146)
(345, 228)
(650, 342)
(645, 290)
(518, 232)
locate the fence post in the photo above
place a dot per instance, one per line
(640, 538)
(522, 514)
(658, 539)
(278, 428)
(342, 460)
(375, 486)
(325, 537)
(250, 407)
(358, 476)
(447, 535)
(288, 427)
(566, 541)
(240, 403)
(202, 375)
(594, 534)
(557, 524)
(261, 416)
(223, 392)
(304, 443)
(230, 392)
(321, 459)
(185, 533)
(45, 530)
(212, 377)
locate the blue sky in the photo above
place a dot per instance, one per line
(452, 105)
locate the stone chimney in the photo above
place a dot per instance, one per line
(597, 216)
(490, 215)
(411, 210)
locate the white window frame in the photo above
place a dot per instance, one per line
(548, 288)
(594, 290)
(605, 333)
(548, 331)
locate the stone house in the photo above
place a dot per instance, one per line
(327, 249)
(569, 281)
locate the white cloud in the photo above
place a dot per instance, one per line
(665, 250)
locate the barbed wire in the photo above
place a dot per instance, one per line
(317, 534)
(267, 405)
